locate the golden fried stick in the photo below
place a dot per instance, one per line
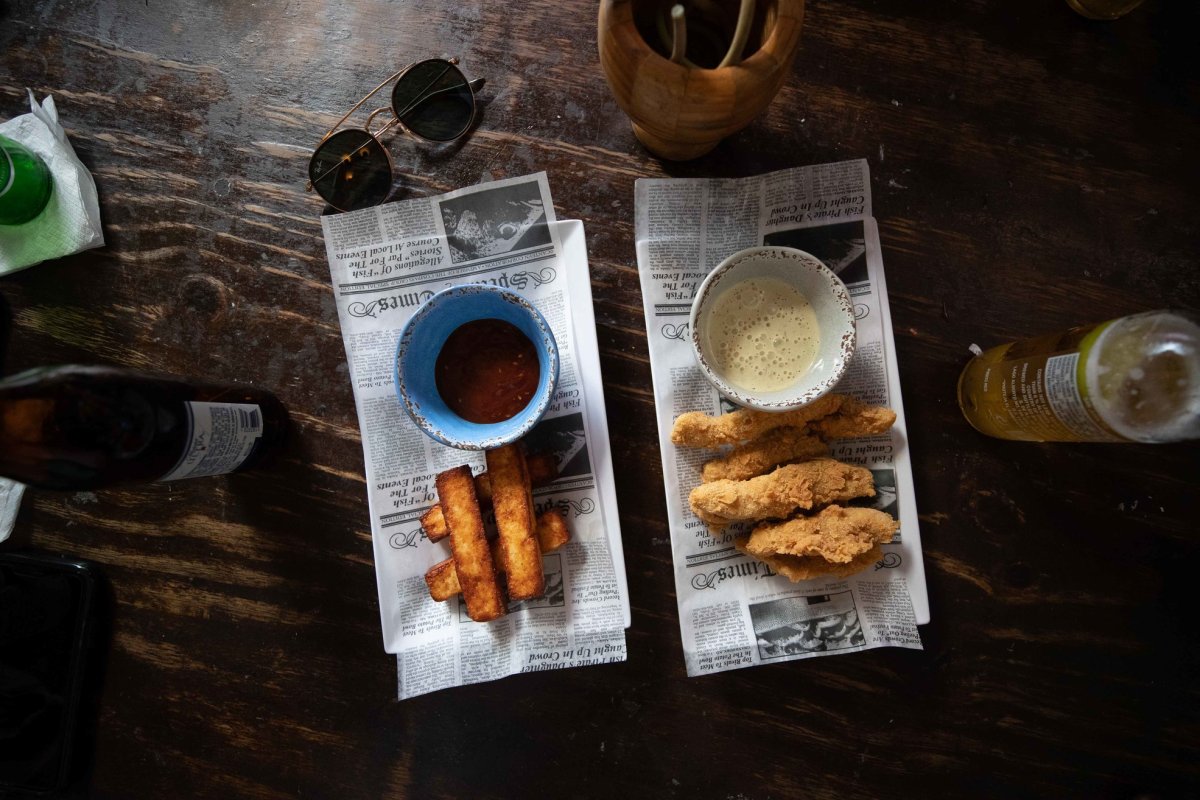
(472, 557)
(542, 470)
(769, 450)
(804, 568)
(697, 429)
(512, 499)
(836, 534)
(442, 578)
(433, 522)
(854, 418)
(780, 493)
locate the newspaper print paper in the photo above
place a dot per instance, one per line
(384, 262)
(734, 611)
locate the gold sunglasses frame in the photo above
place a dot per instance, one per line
(473, 85)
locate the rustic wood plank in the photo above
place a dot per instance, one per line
(1031, 170)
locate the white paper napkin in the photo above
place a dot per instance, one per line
(10, 504)
(71, 221)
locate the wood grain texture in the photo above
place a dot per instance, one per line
(1031, 170)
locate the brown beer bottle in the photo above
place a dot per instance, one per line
(79, 428)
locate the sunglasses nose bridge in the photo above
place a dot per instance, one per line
(373, 115)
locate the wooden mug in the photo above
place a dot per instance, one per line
(679, 111)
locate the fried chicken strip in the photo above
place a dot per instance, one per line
(779, 446)
(780, 493)
(834, 416)
(697, 429)
(837, 542)
(759, 455)
(805, 568)
(853, 419)
(836, 534)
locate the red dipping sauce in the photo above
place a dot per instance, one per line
(487, 371)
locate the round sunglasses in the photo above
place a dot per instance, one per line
(351, 169)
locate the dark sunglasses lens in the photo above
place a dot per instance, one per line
(351, 170)
(433, 100)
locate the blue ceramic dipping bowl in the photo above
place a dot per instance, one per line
(421, 340)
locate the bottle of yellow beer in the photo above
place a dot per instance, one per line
(78, 428)
(1133, 379)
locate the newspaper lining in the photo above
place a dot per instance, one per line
(734, 611)
(384, 262)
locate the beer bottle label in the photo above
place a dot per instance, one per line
(1041, 396)
(221, 437)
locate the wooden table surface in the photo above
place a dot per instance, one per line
(1031, 170)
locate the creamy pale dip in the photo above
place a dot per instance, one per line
(762, 335)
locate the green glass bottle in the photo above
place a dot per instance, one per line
(25, 183)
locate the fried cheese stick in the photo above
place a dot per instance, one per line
(843, 538)
(442, 578)
(542, 470)
(697, 429)
(512, 499)
(780, 493)
(768, 450)
(472, 556)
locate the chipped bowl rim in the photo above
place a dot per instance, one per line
(831, 302)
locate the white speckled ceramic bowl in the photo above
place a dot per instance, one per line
(829, 299)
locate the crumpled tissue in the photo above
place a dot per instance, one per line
(10, 504)
(71, 221)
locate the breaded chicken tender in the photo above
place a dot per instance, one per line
(697, 429)
(837, 541)
(853, 419)
(769, 450)
(782, 492)
(805, 568)
(834, 416)
(838, 535)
